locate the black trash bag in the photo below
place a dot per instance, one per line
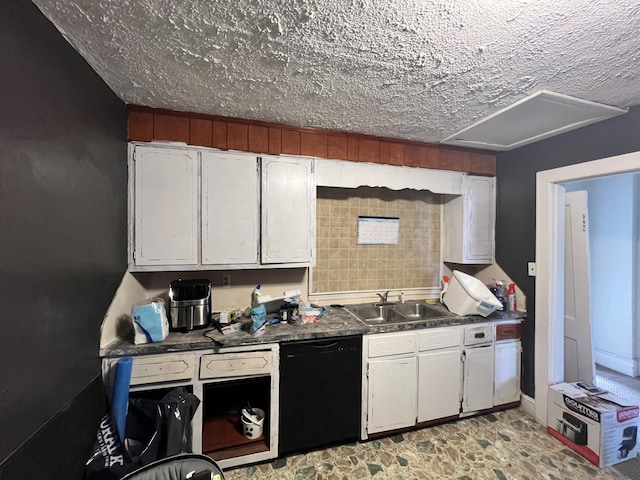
(158, 429)
(109, 459)
(178, 409)
(154, 429)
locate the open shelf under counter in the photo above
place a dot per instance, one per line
(222, 439)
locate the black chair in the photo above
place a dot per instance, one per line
(184, 466)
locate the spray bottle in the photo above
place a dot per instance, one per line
(445, 285)
(511, 298)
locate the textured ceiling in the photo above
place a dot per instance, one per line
(409, 69)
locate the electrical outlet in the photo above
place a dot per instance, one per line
(532, 269)
(226, 281)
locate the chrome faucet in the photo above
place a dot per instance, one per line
(383, 297)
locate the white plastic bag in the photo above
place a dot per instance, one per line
(150, 321)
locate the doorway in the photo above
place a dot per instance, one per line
(550, 228)
(599, 294)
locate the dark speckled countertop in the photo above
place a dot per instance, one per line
(337, 322)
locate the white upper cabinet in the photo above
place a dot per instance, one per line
(288, 210)
(203, 209)
(469, 223)
(230, 208)
(165, 206)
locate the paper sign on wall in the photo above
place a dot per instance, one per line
(378, 230)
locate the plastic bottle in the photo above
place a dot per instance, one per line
(501, 294)
(511, 296)
(445, 284)
(254, 296)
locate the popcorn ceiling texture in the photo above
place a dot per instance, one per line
(416, 70)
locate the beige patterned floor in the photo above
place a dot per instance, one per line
(505, 445)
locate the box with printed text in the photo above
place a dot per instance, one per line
(600, 426)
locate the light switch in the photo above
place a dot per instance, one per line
(532, 269)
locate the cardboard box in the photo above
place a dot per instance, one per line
(598, 425)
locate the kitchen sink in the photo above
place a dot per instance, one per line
(378, 313)
(417, 310)
(395, 312)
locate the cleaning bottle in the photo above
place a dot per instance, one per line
(511, 296)
(501, 294)
(445, 284)
(254, 296)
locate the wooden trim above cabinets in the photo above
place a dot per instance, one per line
(148, 124)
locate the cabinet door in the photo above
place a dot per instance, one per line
(477, 392)
(469, 223)
(439, 384)
(507, 373)
(481, 207)
(392, 394)
(165, 208)
(288, 210)
(230, 206)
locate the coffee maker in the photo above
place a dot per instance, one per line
(189, 304)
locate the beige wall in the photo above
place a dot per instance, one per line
(343, 265)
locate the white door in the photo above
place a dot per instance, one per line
(477, 392)
(392, 394)
(165, 209)
(439, 384)
(578, 355)
(507, 373)
(288, 210)
(230, 208)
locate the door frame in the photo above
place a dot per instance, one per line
(549, 284)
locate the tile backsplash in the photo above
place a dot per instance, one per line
(343, 265)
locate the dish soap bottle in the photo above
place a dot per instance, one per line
(511, 298)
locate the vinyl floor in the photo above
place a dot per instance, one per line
(500, 446)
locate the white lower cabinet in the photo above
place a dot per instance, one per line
(436, 373)
(410, 377)
(224, 381)
(392, 394)
(477, 389)
(439, 384)
(507, 372)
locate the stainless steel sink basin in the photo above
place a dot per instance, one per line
(417, 310)
(395, 313)
(377, 314)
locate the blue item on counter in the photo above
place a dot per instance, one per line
(120, 400)
(150, 321)
(258, 318)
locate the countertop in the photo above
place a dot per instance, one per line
(336, 322)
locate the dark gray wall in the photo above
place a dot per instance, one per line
(516, 201)
(63, 191)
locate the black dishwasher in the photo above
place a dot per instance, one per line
(320, 392)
